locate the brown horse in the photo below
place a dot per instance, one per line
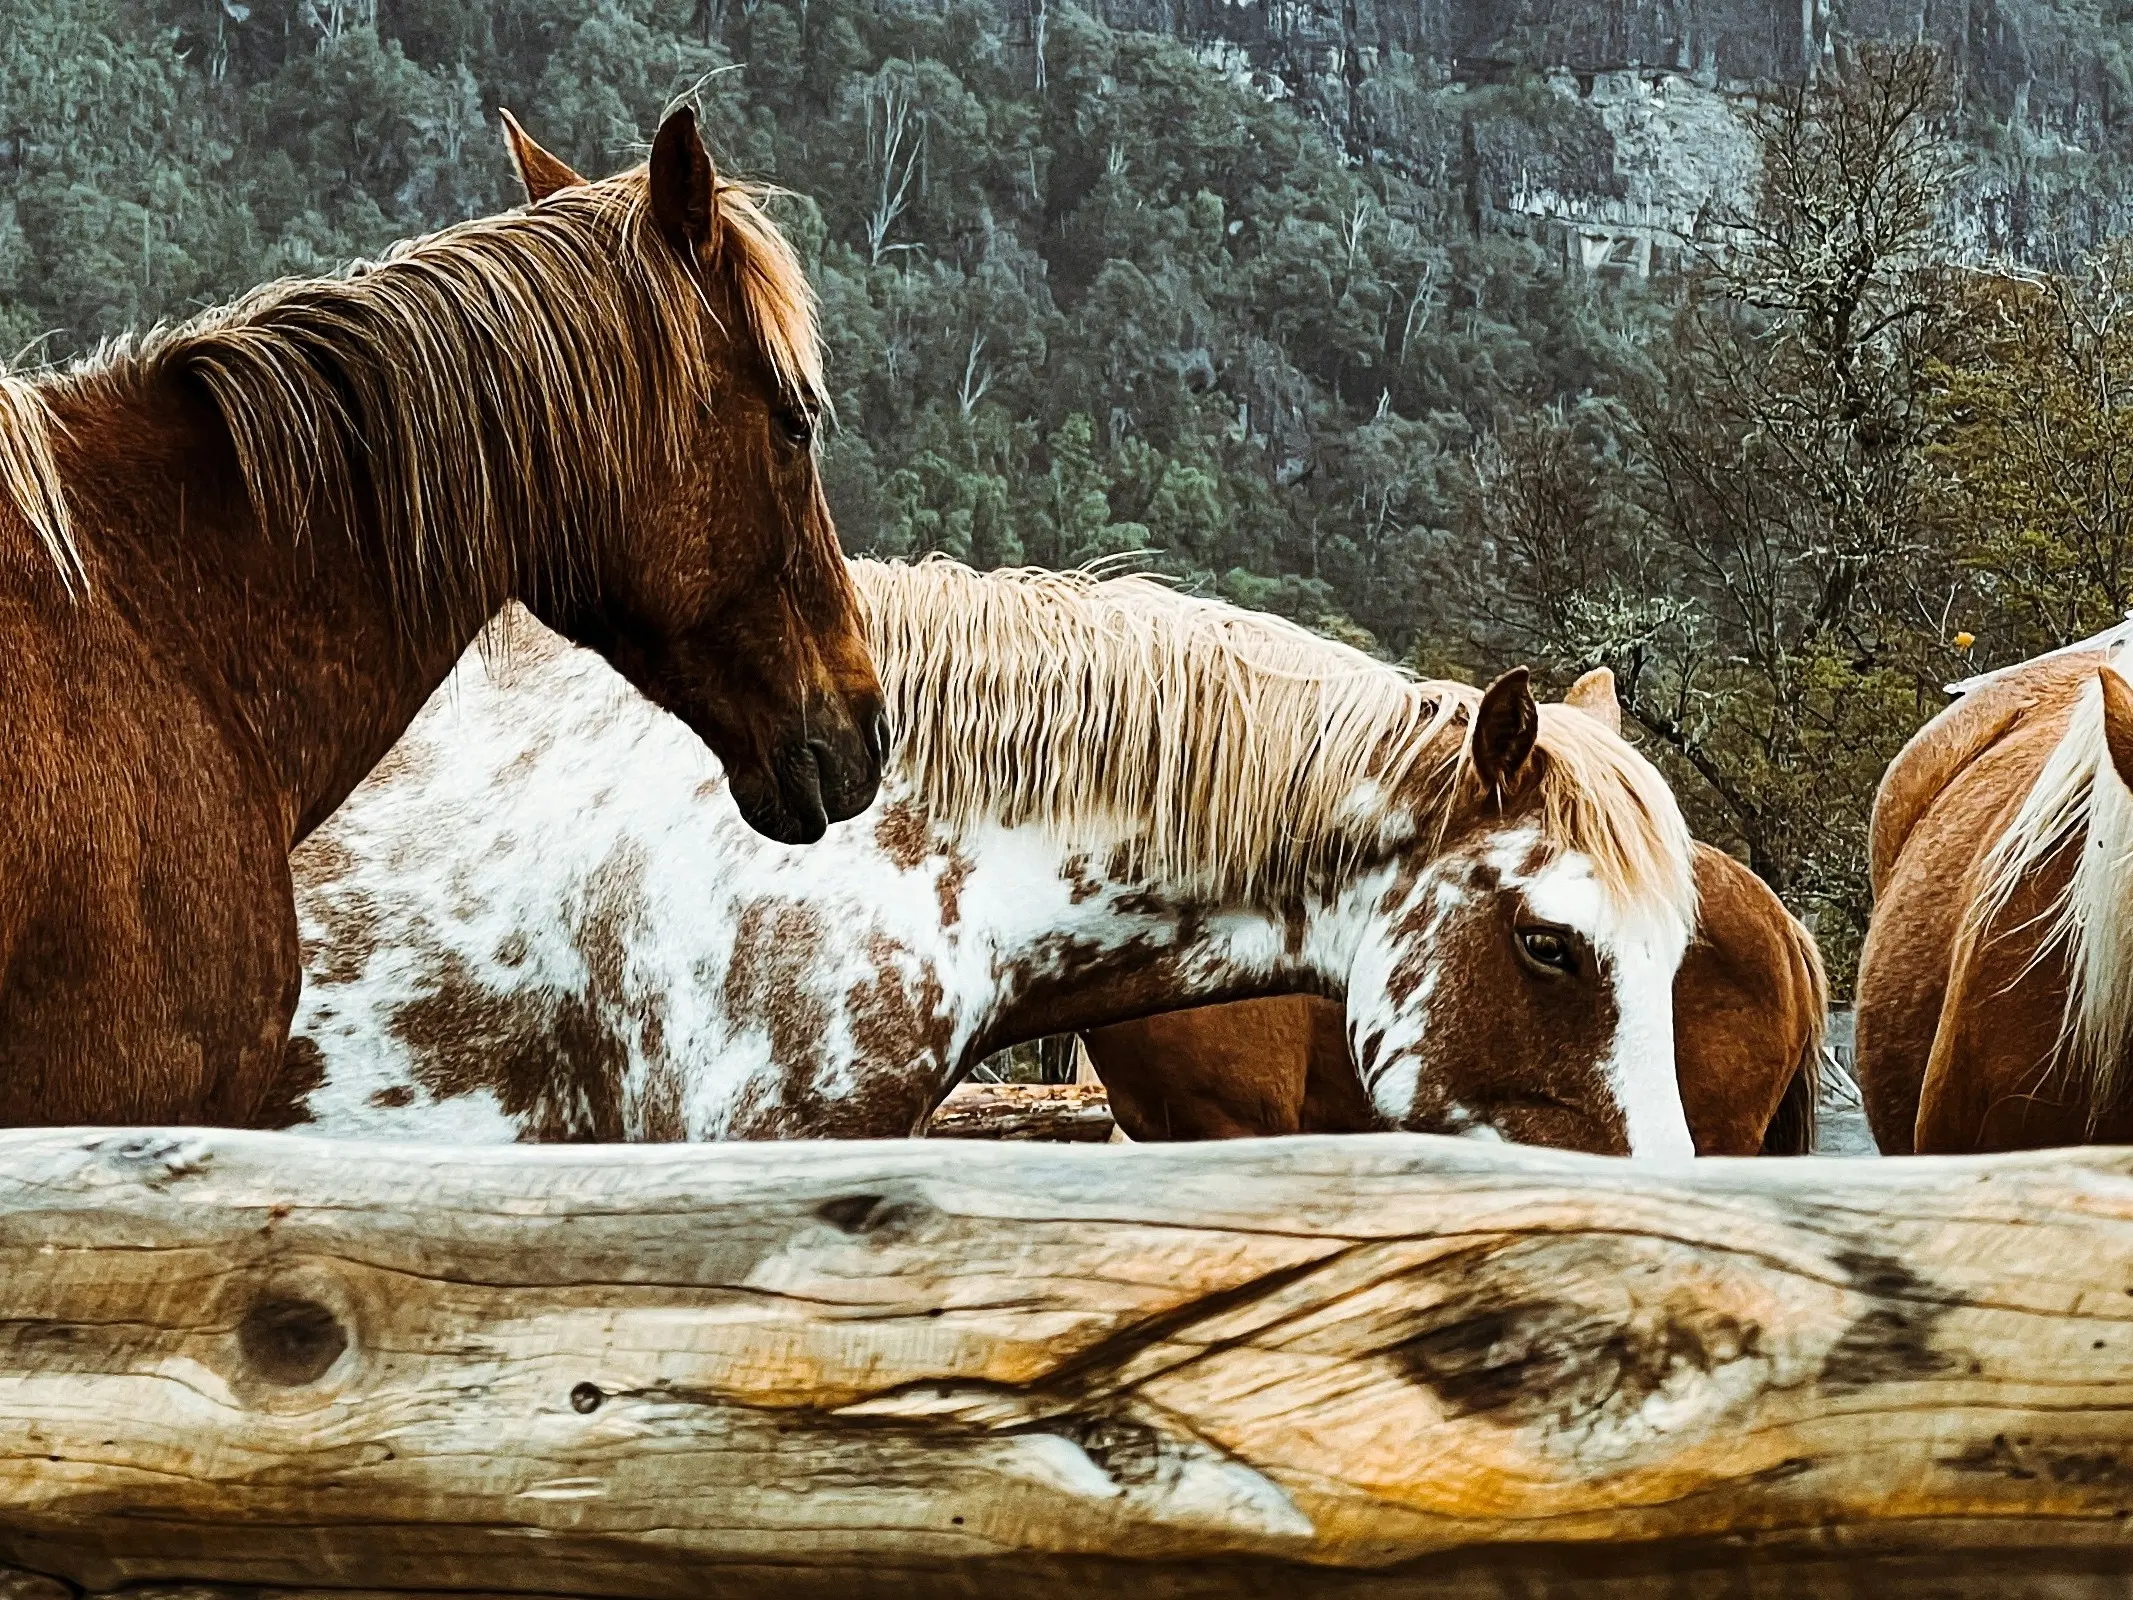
(238, 554)
(1750, 1000)
(1996, 988)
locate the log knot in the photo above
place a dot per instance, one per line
(152, 1160)
(1891, 1341)
(1564, 1359)
(291, 1341)
(880, 1216)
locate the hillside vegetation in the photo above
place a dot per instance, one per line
(1089, 292)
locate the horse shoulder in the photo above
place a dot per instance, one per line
(142, 880)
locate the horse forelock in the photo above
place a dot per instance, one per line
(1603, 800)
(773, 291)
(29, 475)
(519, 372)
(2077, 803)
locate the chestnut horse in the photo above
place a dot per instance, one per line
(1996, 987)
(537, 919)
(237, 555)
(1750, 1002)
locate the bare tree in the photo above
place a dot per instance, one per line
(333, 18)
(1755, 557)
(896, 142)
(977, 377)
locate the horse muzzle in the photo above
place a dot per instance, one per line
(825, 770)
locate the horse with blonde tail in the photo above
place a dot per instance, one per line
(537, 920)
(1996, 987)
(237, 555)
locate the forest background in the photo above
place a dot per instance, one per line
(1787, 379)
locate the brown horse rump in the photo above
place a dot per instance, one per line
(1993, 986)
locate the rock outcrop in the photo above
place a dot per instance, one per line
(1612, 127)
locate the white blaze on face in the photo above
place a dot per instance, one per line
(1641, 954)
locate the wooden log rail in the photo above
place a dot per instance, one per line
(1062, 1113)
(1373, 1366)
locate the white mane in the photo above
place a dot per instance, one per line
(1243, 755)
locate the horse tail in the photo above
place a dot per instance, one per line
(1791, 1131)
(1084, 1062)
(2079, 806)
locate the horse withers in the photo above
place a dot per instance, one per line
(537, 920)
(1996, 987)
(237, 555)
(1749, 1003)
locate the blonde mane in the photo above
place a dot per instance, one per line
(508, 379)
(1241, 755)
(2077, 801)
(29, 476)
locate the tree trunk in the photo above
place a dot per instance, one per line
(1056, 1113)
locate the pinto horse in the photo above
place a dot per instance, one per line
(1750, 1001)
(237, 555)
(1996, 986)
(536, 920)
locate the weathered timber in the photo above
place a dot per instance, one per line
(1052, 1113)
(1370, 1366)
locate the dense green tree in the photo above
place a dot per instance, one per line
(1088, 295)
(2035, 447)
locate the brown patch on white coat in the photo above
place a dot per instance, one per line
(843, 988)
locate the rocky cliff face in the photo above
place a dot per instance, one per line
(1610, 126)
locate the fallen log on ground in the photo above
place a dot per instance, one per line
(1049, 1113)
(1371, 1366)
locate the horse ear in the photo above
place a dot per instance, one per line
(2118, 721)
(1506, 724)
(1594, 694)
(541, 173)
(685, 188)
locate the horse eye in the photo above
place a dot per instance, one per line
(797, 427)
(1548, 948)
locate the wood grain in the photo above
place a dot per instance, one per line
(1364, 1366)
(1055, 1113)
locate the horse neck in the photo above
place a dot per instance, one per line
(289, 644)
(1058, 935)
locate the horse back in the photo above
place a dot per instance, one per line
(1938, 753)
